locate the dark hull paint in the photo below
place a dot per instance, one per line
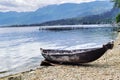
(75, 56)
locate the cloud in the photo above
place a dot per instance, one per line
(31, 5)
(18, 5)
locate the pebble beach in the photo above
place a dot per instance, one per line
(105, 68)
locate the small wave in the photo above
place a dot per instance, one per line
(16, 42)
(1, 72)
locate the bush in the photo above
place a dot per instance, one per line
(118, 18)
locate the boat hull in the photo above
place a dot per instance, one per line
(75, 56)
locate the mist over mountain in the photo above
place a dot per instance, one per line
(55, 12)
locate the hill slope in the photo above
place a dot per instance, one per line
(55, 12)
(107, 17)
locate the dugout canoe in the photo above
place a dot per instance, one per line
(75, 56)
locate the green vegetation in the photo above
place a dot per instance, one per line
(118, 18)
(117, 4)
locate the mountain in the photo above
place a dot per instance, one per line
(103, 18)
(55, 12)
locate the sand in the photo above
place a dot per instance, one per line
(105, 68)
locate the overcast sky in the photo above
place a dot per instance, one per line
(32, 5)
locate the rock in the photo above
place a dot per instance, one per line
(15, 78)
(46, 63)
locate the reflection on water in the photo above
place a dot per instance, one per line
(19, 47)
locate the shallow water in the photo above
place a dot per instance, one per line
(19, 47)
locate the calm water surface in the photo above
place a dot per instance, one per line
(19, 47)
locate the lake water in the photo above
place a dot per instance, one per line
(20, 47)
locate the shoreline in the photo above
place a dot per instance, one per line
(79, 25)
(106, 67)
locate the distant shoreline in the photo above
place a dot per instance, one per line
(80, 25)
(73, 27)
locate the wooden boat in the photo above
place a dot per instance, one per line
(75, 56)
